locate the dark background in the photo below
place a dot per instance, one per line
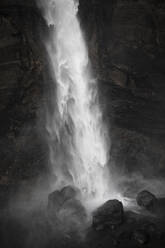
(126, 40)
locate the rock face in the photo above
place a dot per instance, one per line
(109, 215)
(146, 200)
(23, 153)
(126, 46)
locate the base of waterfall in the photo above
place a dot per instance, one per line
(63, 221)
(109, 215)
(109, 224)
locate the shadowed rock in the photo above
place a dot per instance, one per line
(69, 192)
(66, 209)
(110, 214)
(146, 200)
(57, 198)
(55, 201)
(72, 211)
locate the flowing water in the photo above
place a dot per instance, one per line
(78, 138)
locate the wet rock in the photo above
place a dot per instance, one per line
(66, 210)
(72, 210)
(110, 215)
(55, 201)
(140, 237)
(146, 200)
(69, 192)
(57, 198)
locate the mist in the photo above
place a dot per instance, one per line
(79, 140)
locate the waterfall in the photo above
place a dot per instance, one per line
(78, 138)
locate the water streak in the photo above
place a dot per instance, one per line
(78, 138)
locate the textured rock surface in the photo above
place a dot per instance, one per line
(65, 210)
(126, 45)
(57, 198)
(22, 57)
(109, 215)
(146, 200)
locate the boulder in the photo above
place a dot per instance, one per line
(146, 200)
(57, 198)
(55, 201)
(66, 210)
(110, 214)
(72, 211)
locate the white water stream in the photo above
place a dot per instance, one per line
(79, 141)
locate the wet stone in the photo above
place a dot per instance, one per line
(57, 198)
(55, 201)
(72, 209)
(109, 215)
(64, 207)
(69, 192)
(146, 200)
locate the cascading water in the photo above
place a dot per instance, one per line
(78, 138)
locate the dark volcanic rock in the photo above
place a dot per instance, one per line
(110, 214)
(147, 200)
(72, 210)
